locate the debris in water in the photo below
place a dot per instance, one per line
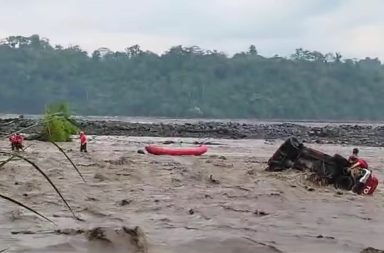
(326, 237)
(97, 234)
(234, 209)
(100, 176)
(212, 180)
(125, 202)
(310, 189)
(117, 240)
(69, 231)
(251, 172)
(260, 213)
(371, 250)
(23, 232)
(92, 199)
(191, 228)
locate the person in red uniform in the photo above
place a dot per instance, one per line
(16, 141)
(358, 163)
(19, 139)
(12, 140)
(355, 154)
(83, 142)
(365, 182)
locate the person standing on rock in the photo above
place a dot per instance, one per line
(83, 142)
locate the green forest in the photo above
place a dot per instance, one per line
(188, 82)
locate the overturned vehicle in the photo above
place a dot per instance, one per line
(327, 169)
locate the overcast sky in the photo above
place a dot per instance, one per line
(353, 27)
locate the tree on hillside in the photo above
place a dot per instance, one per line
(188, 82)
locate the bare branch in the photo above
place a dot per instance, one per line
(26, 207)
(74, 166)
(5, 162)
(46, 177)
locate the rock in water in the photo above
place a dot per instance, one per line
(121, 240)
(100, 177)
(371, 250)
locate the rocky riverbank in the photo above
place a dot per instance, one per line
(342, 134)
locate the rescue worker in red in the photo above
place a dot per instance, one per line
(365, 182)
(355, 154)
(16, 141)
(12, 140)
(83, 142)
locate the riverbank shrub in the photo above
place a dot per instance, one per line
(57, 125)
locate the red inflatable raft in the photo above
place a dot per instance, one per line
(156, 150)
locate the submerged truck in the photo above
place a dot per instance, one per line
(293, 154)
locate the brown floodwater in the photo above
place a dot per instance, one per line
(176, 205)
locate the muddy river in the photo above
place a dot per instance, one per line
(220, 202)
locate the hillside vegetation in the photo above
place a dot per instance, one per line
(188, 82)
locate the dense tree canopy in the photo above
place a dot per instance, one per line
(188, 82)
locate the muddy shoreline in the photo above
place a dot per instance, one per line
(347, 134)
